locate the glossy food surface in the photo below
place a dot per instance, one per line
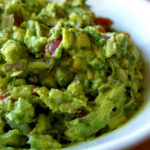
(65, 75)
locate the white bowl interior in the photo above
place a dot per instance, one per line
(129, 16)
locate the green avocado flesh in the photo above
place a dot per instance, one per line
(65, 75)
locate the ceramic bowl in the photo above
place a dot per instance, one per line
(129, 16)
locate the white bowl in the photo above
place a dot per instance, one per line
(130, 16)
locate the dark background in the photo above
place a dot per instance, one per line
(145, 145)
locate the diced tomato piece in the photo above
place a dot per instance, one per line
(127, 34)
(2, 97)
(18, 20)
(103, 21)
(5, 96)
(101, 30)
(52, 46)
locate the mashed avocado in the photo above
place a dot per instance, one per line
(65, 75)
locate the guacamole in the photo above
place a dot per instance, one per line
(65, 75)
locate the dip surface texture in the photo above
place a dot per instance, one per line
(65, 75)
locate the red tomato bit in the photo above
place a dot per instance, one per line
(52, 46)
(2, 97)
(103, 21)
(101, 30)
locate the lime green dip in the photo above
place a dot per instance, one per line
(65, 77)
